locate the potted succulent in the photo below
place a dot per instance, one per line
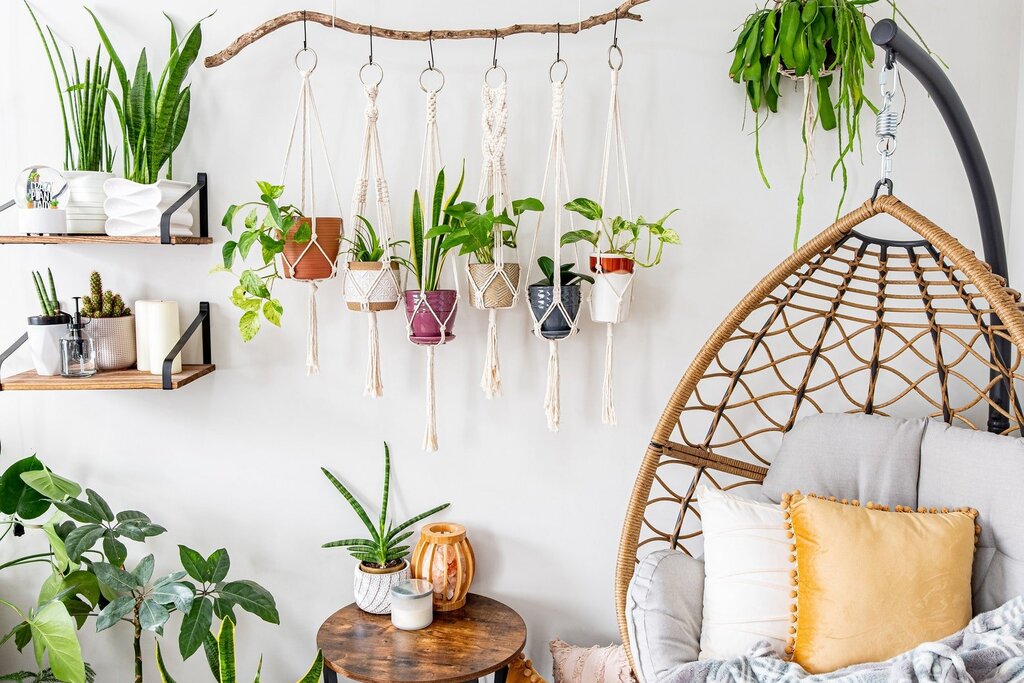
(153, 113)
(430, 309)
(46, 329)
(364, 281)
(542, 298)
(111, 326)
(616, 242)
(381, 557)
(475, 232)
(82, 93)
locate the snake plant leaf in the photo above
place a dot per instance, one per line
(253, 598)
(165, 677)
(351, 543)
(53, 635)
(387, 491)
(195, 626)
(408, 523)
(17, 497)
(226, 641)
(211, 648)
(51, 485)
(114, 611)
(315, 671)
(351, 500)
(416, 238)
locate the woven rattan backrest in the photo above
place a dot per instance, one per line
(846, 324)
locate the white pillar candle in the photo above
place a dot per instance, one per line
(162, 333)
(141, 311)
(412, 604)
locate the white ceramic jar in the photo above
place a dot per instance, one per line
(412, 604)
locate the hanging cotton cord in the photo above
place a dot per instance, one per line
(552, 398)
(430, 435)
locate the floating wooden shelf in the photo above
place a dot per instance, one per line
(97, 239)
(119, 379)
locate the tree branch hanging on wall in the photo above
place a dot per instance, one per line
(623, 11)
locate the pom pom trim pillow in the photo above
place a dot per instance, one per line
(872, 584)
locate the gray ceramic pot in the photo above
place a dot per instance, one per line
(555, 326)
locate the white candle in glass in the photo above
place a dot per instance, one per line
(163, 331)
(412, 604)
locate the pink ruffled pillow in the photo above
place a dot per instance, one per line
(573, 664)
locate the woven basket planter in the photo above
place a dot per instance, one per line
(555, 326)
(372, 587)
(115, 342)
(313, 265)
(364, 280)
(488, 290)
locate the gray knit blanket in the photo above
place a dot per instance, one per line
(990, 649)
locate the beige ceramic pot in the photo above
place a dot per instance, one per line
(115, 342)
(492, 291)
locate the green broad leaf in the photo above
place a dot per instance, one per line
(246, 240)
(253, 598)
(272, 311)
(271, 245)
(114, 612)
(22, 635)
(254, 284)
(315, 671)
(587, 208)
(223, 610)
(53, 635)
(99, 505)
(238, 296)
(303, 232)
(83, 538)
(78, 510)
(177, 594)
(115, 578)
(173, 577)
(521, 206)
(249, 325)
(60, 555)
(250, 304)
(226, 641)
(143, 571)
(228, 221)
(269, 189)
(152, 615)
(17, 497)
(217, 564)
(132, 516)
(51, 485)
(212, 651)
(251, 219)
(228, 253)
(574, 236)
(165, 677)
(49, 589)
(81, 583)
(193, 563)
(195, 626)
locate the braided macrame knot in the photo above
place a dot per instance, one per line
(371, 103)
(383, 194)
(431, 107)
(359, 193)
(557, 100)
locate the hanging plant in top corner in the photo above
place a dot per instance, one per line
(826, 46)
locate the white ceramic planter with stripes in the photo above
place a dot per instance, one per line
(373, 591)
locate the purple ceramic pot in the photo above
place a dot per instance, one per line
(426, 326)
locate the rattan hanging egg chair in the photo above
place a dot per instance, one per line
(848, 323)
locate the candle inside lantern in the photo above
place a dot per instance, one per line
(412, 604)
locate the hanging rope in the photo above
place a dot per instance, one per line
(306, 115)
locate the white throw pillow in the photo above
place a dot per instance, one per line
(747, 589)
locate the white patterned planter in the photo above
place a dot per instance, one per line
(365, 282)
(134, 209)
(373, 591)
(115, 342)
(86, 215)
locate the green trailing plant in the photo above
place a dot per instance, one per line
(254, 292)
(430, 244)
(44, 676)
(103, 304)
(153, 112)
(384, 548)
(46, 293)
(473, 231)
(82, 94)
(566, 278)
(366, 245)
(622, 236)
(826, 42)
(220, 655)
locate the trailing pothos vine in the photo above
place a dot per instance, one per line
(820, 43)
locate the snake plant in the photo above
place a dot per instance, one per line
(429, 245)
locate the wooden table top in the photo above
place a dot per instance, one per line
(462, 645)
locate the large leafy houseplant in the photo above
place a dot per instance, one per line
(472, 230)
(430, 244)
(153, 112)
(825, 43)
(638, 240)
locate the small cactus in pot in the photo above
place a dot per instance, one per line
(112, 326)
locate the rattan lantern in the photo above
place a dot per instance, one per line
(444, 557)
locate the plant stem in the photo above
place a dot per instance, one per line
(138, 643)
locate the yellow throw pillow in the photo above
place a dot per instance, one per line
(871, 584)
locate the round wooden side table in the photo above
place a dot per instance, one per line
(464, 645)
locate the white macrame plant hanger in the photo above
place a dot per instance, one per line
(387, 279)
(614, 143)
(494, 182)
(430, 164)
(555, 170)
(306, 114)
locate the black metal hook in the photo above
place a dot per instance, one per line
(890, 58)
(887, 183)
(371, 44)
(615, 34)
(494, 55)
(558, 42)
(304, 30)
(430, 42)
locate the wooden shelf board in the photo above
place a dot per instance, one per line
(97, 239)
(119, 379)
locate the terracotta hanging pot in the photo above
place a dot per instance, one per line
(364, 281)
(492, 291)
(313, 264)
(611, 263)
(426, 326)
(444, 557)
(371, 586)
(555, 326)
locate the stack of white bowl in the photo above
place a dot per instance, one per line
(85, 213)
(134, 209)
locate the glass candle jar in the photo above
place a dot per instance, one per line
(412, 604)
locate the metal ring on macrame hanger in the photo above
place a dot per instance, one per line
(372, 286)
(554, 309)
(494, 286)
(425, 309)
(306, 115)
(612, 292)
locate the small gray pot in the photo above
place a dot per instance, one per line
(115, 342)
(555, 326)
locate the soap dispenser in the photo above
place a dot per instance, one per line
(77, 351)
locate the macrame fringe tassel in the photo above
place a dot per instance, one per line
(552, 400)
(491, 380)
(608, 409)
(374, 383)
(312, 340)
(430, 435)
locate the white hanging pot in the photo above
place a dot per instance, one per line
(44, 335)
(612, 293)
(366, 282)
(85, 212)
(490, 290)
(134, 209)
(372, 586)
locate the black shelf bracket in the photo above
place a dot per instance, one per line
(204, 210)
(6, 205)
(901, 48)
(201, 320)
(12, 348)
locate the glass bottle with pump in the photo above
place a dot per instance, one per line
(77, 351)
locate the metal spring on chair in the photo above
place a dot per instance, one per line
(886, 122)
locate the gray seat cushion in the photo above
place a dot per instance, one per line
(984, 471)
(867, 457)
(664, 606)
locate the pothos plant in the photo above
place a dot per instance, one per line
(824, 42)
(254, 292)
(472, 230)
(637, 239)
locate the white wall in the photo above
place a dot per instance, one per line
(233, 460)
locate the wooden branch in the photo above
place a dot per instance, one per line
(623, 11)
